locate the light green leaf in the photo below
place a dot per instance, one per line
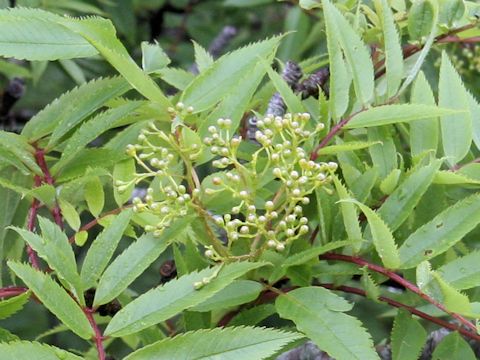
(408, 337)
(384, 155)
(237, 293)
(438, 235)
(102, 249)
(93, 128)
(423, 133)
(54, 248)
(165, 301)
(294, 104)
(153, 57)
(13, 305)
(356, 53)
(382, 237)
(34, 34)
(456, 128)
(392, 114)
(313, 253)
(400, 204)
(453, 299)
(54, 298)
(74, 71)
(101, 34)
(94, 195)
(67, 111)
(421, 19)
(447, 177)
(176, 77)
(219, 79)
(317, 312)
(135, 260)
(203, 59)
(347, 146)
(230, 343)
(372, 289)
(24, 350)
(475, 115)
(453, 347)
(388, 185)
(393, 49)
(19, 146)
(340, 77)
(350, 215)
(70, 214)
(462, 273)
(123, 171)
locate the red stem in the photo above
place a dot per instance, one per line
(399, 280)
(12, 291)
(32, 215)
(47, 178)
(98, 334)
(410, 309)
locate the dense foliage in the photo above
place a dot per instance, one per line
(299, 181)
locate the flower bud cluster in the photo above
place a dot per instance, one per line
(166, 197)
(282, 141)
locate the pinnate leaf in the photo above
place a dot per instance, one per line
(318, 313)
(165, 301)
(230, 343)
(24, 350)
(54, 298)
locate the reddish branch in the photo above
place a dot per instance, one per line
(98, 338)
(410, 309)
(48, 179)
(32, 215)
(11, 291)
(399, 280)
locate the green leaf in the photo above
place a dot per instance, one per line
(54, 298)
(453, 347)
(123, 171)
(446, 177)
(253, 316)
(408, 337)
(165, 301)
(70, 214)
(340, 77)
(355, 51)
(423, 133)
(388, 185)
(135, 260)
(34, 34)
(230, 343)
(94, 195)
(294, 104)
(6, 336)
(237, 293)
(475, 114)
(24, 350)
(101, 34)
(64, 113)
(203, 59)
(400, 204)
(392, 114)
(211, 86)
(312, 253)
(18, 145)
(462, 273)
(93, 128)
(382, 237)
(54, 248)
(350, 216)
(453, 299)
(74, 71)
(102, 249)
(384, 155)
(438, 235)
(347, 146)
(372, 289)
(153, 57)
(421, 19)
(393, 49)
(456, 128)
(13, 305)
(317, 312)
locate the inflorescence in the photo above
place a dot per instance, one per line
(280, 159)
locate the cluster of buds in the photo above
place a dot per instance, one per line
(278, 221)
(166, 197)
